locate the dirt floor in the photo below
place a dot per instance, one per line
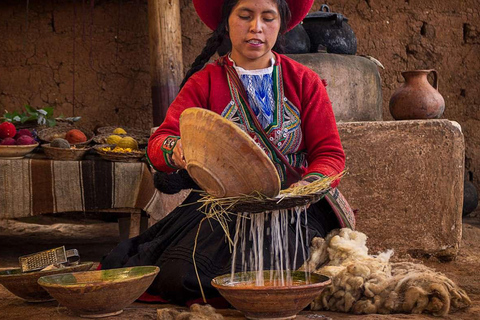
(96, 237)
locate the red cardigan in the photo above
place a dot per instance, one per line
(318, 139)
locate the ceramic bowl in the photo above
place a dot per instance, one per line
(223, 159)
(99, 293)
(25, 286)
(16, 151)
(270, 301)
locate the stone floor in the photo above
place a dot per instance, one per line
(93, 238)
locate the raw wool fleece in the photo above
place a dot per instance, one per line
(365, 284)
(197, 312)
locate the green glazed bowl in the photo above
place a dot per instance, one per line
(101, 293)
(25, 286)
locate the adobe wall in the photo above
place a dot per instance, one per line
(110, 55)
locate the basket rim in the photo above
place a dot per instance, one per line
(137, 131)
(81, 148)
(138, 154)
(137, 137)
(88, 133)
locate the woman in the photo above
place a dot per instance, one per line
(290, 104)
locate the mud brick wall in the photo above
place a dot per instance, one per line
(99, 54)
(58, 50)
(406, 179)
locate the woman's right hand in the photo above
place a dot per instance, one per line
(178, 157)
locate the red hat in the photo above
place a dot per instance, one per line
(210, 11)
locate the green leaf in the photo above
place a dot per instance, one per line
(12, 115)
(30, 109)
(49, 111)
(25, 118)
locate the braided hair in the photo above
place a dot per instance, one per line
(221, 33)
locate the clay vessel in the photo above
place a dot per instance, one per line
(353, 82)
(25, 286)
(416, 98)
(100, 293)
(270, 301)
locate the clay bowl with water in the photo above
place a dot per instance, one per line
(25, 286)
(101, 293)
(271, 301)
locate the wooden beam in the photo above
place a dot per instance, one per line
(135, 221)
(166, 58)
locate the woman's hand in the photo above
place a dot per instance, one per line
(299, 183)
(305, 181)
(177, 156)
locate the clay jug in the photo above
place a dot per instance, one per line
(416, 98)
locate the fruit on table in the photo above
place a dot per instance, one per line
(23, 132)
(75, 136)
(8, 142)
(7, 130)
(113, 139)
(60, 143)
(128, 142)
(25, 140)
(119, 131)
(58, 135)
(119, 150)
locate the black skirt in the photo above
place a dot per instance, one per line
(169, 245)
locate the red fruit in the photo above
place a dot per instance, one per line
(25, 140)
(75, 136)
(23, 132)
(8, 142)
(7, 130)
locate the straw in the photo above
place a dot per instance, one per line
(220, 209)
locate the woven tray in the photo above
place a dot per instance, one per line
(49, 134)
(102, 138)
(130, 131)
(280, 203)
(71, 154)
(116, 156)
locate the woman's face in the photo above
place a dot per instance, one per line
(253, 27)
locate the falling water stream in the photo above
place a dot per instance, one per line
(253, 232)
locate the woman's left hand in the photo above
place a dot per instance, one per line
(299, 183)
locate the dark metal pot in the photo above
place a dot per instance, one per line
(330, 31)
(296, 41)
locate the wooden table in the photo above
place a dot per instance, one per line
(36, 185)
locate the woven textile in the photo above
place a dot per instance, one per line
(36, 186)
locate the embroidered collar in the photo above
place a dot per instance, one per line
(257, 72)
(225, 60)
